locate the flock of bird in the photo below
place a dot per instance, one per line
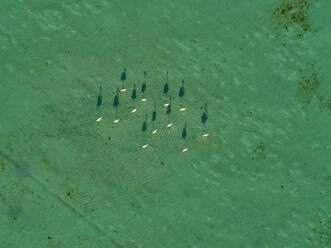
(168, 105)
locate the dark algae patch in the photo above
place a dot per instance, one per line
(259, 152)
(322, 228)
(309, 84)
(311, 89)
(292, 15)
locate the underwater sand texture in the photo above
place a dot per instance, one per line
(262, 176)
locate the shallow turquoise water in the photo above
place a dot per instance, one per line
(71, 177)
